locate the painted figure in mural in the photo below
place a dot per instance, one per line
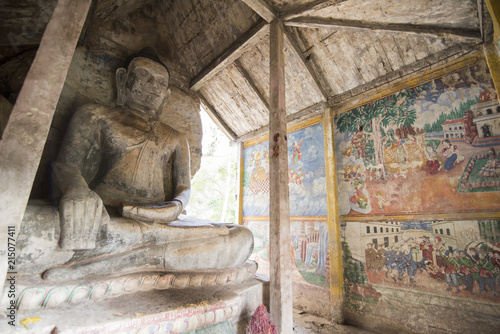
(370, 256)
(465, 270)
(427, 248)
(433, 159)
(381, 201)
(450, 151)
(259, 178)
(358, 140)
(486, 272)
(492, 167)
(414, 149)
(451, 270)
(125, 161)
(297, 154)
(395, 153)
(359, 198)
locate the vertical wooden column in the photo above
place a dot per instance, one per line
(334, 237)
(241, 170)
(29, 123)
(279, 211)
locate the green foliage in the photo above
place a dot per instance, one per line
(214, 192)
(393, 110)
(354, 271)
(454, 114)
(209, 191)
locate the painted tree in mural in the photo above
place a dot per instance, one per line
(354, 271)
(373, 123)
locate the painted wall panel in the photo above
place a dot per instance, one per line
(306, 173)
(426, 265)
(431, 148)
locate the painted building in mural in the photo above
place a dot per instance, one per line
(487, 119)
(451, 259)
(416, 151)
(412, 154)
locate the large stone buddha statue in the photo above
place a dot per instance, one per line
(125, 180)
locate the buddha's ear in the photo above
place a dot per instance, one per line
(121, 76)
(160, 110)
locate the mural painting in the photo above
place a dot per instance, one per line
(308, 206)
(306, 175)
(309, 248)
(431, 148)
(443, 259)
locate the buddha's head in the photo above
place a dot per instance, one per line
(142, 85)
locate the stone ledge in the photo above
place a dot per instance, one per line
(154, 311)
(35, 293)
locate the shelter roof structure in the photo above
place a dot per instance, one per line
(336, 50)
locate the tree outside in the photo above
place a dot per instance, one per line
(214, 187)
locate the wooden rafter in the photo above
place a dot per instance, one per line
(244, 73)
(216, 118)
(301, 115)
(230, 55)
(261, 8)
(308, 8)
(320, 22)
(296, 50)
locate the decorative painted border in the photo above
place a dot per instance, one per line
(463, 63)
(303, 125)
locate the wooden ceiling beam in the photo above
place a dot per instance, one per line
(216, 118)
(304, 114)
(320, 22)
(261, 8)
(296, 50)
(309, 8)
(244, 73)
(241, 45)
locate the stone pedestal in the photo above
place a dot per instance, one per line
(225, 307)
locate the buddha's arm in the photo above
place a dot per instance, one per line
(80, 208)
(167, 211)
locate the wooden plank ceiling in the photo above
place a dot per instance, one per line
(332, 49)
(335, 49)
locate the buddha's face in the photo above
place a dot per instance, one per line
(146, 87)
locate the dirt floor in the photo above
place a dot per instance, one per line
(306, 323)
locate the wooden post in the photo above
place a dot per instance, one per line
(279, 210)
(241, 170)
(335, 242)
(29, 123)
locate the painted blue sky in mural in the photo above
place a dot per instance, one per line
(306, 174)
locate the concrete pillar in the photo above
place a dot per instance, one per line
(334, 237)
(279, 211)
(29, 123)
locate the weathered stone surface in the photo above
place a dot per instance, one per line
(210, 244)
(35, 293)
(124, 160)
(153, 311)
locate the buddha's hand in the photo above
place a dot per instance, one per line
(163, 212)
(80, 212)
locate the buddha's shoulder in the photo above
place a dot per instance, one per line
(97, 111)
(171, 132)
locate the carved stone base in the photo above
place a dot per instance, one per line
(35, 293)
(227, 308)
